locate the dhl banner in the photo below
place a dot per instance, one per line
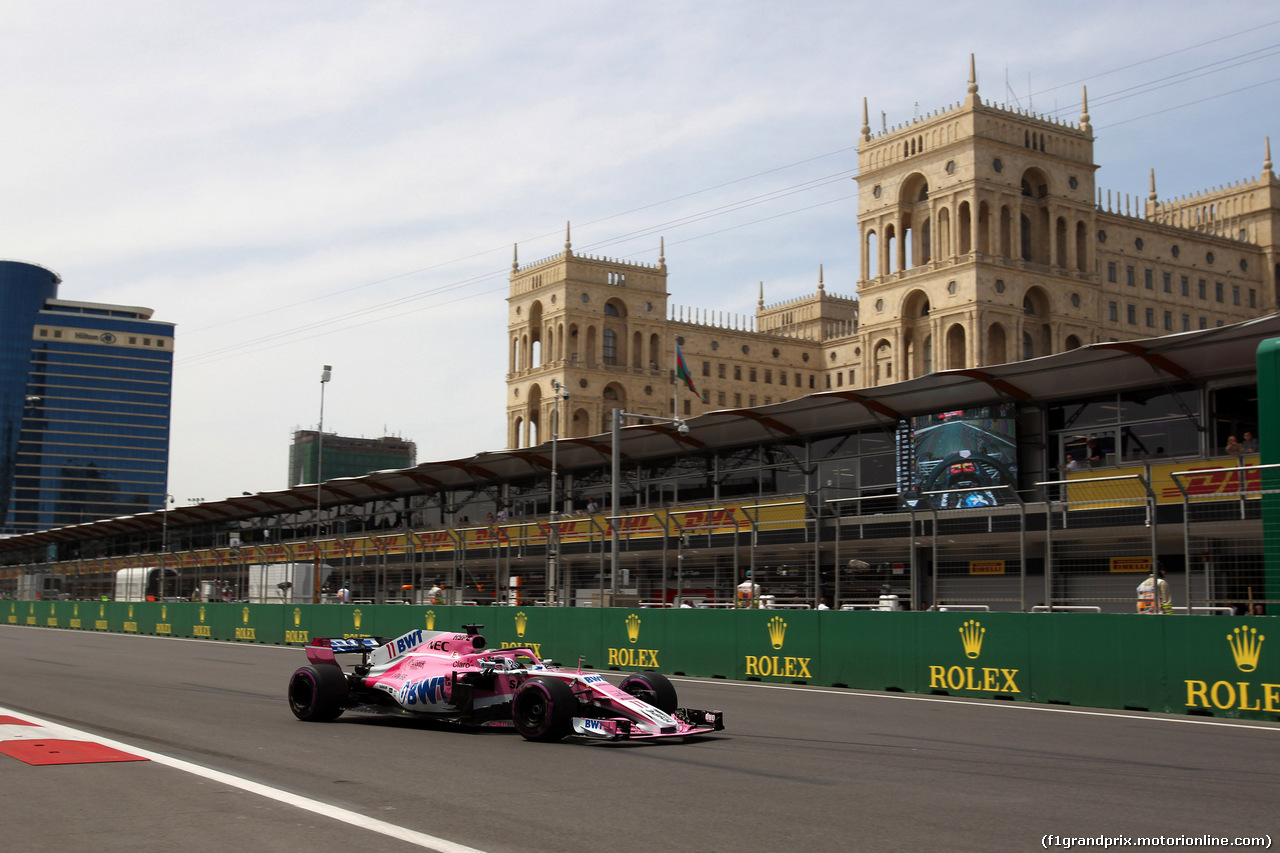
(1203, 480)
(647, 525)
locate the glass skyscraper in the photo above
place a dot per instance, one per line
(85, 393)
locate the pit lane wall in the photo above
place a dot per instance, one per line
(1213, 665)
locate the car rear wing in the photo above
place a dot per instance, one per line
(354, 645)
(322, 650)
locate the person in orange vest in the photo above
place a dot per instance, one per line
(1147, 595)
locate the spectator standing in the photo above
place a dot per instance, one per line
(1147, 596)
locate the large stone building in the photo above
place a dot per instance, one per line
(983, 240)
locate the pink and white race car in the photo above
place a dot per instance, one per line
(451, 677)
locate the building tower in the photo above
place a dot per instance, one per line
(86, 391)
(597, 327)
(975, 226)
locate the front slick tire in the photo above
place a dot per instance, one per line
(543, 709)
(654, 688)
(317, 694)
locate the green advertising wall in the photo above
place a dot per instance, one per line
(1213, 665)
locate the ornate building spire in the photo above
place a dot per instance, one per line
(515, 256)
(1266, 163)
(866, 122)
(662, 252)
(1084, 109)
(973, 99)
(1151, 196)
(822, 287)
(568, 244)
(760, 301)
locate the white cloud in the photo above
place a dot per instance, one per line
(275, 178)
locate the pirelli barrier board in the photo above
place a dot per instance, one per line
(1216, 665)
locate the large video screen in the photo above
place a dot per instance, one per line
(958, 459)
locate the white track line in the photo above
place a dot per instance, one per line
(1150, 716)
(420, 839)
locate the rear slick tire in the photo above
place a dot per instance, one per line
(317, 694)
(543, 709)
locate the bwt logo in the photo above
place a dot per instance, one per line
(421, 692)
(408, 641)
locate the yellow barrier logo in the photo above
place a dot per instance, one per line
(245, 613)
(355, 618)
(1246, 646)
(971, 634)
(521, 622)
(777, 666)
(431, 620)
(297, 616)
(777, 631)
(1246, 649)
(633, 627)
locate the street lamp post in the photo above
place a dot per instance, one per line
(315, 580)
(164, 544)
(615, 475)
(559, 392)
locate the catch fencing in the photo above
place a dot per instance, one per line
(1081, 543)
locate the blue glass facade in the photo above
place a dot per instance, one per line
(24, 288)
(94, 384)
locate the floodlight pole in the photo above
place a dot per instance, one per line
(553, 539)
(615, 476)
(315, 579)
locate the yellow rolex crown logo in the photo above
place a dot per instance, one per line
(164, 612)
(777, 631)
(245, 613)
(355, 618)
(130, 611)
(201, 612)
(102, 611)
(971, 634)
(431, 620)
(1246, 645)
(633, 627)
(521, 621)
(297, 616)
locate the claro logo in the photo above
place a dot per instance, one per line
(1246, 652)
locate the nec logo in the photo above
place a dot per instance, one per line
(438, 645)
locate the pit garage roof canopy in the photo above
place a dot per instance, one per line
(1197, 357)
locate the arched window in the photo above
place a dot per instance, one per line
(610, 353)
(611, 310)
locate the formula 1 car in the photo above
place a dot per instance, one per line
(451, 677)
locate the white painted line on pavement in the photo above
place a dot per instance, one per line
(420, 839)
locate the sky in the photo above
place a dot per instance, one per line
(296, 184)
